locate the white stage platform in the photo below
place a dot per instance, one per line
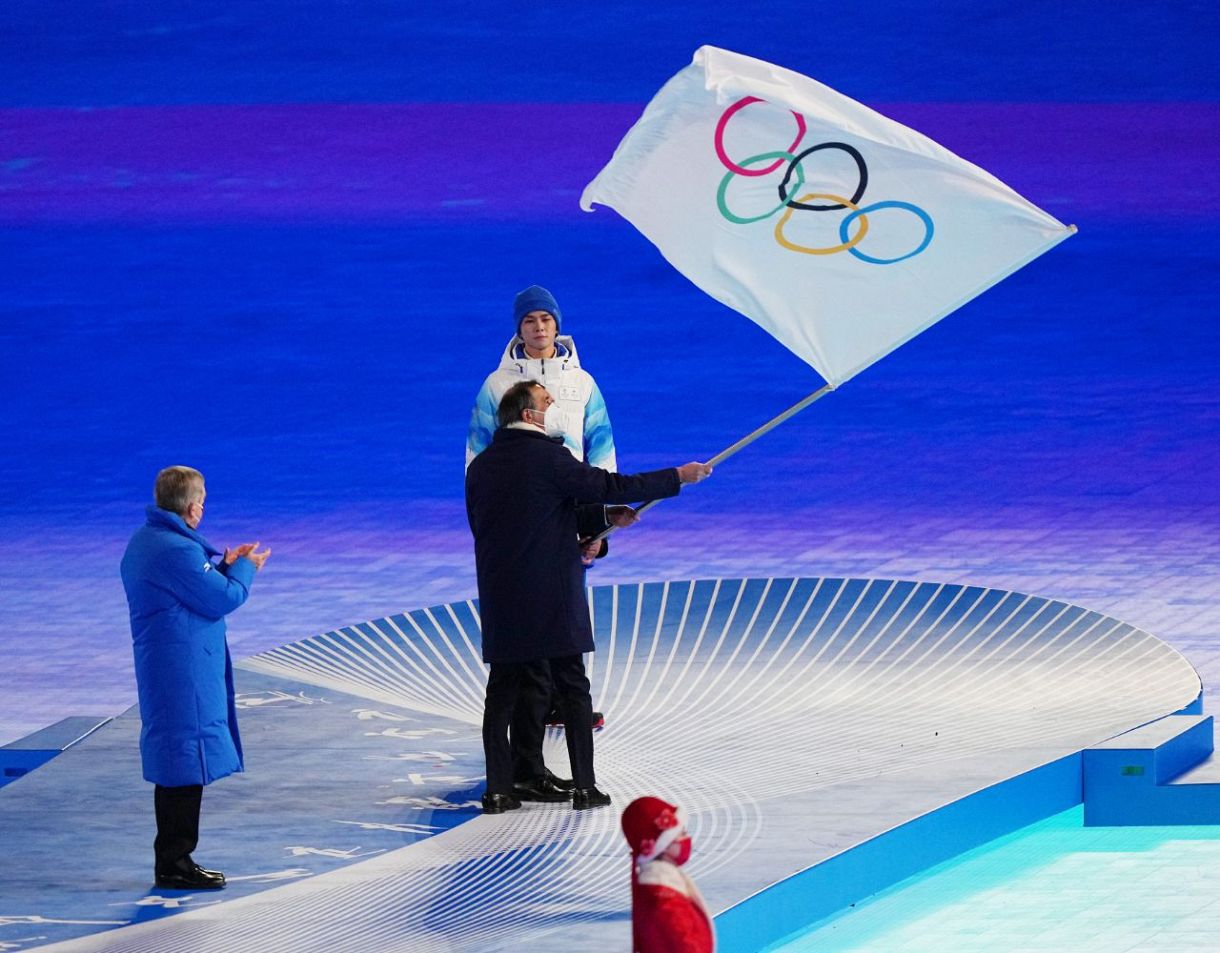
(795, 719)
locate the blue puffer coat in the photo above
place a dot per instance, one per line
(178, 599)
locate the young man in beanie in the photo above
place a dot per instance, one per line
(538, 352)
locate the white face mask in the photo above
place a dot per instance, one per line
(552, 420)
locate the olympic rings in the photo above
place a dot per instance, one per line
(724, 185)
(794, 181)
(859, 213)
(848, 244)
(796, 164)
(724, 121)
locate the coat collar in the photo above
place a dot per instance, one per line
(506, 434)
(172, 521)
(514, 357)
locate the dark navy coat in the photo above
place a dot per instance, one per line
(521, 499)
(178, 599)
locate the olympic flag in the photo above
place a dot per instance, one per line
(840, 232)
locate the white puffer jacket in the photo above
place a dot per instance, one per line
(586, 425)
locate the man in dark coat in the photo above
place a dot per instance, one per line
(178, 599)
(529, 503)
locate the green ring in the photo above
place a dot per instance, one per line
(745, 163)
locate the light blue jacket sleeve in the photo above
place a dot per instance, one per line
(482, 424)
(599, 438)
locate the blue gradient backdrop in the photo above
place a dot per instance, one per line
(278, 242)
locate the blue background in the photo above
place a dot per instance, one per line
(320, 371)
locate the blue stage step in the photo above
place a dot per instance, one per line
(1208, 772)
(20, 757)
(1163, 773)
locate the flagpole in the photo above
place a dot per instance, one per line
(741, 444)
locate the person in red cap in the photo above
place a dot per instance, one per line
(667, 913)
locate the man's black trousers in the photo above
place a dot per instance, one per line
(519, 694)
(177, 823)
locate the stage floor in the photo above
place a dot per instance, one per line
(793, 718)
(278, 242)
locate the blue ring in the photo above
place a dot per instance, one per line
(924, 217)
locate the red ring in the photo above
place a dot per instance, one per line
(724, 121)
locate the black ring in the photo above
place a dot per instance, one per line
(851, 151)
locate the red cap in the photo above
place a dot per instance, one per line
(650, 825)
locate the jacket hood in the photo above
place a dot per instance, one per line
(515, 359)
(172, 521)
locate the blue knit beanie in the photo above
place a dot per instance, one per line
(534, 298)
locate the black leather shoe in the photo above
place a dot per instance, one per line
(188, 875)
(540, 790)
(499, 803)
(555, 720)
(564, 784)
(585, 798)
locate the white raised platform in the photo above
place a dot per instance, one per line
(794, 719)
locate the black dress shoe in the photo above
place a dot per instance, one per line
(499, 803)
(585, 798)
(564, 784)
(188, 875)
(540, 790)
(555, 720)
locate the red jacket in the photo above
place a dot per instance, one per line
(667, 913)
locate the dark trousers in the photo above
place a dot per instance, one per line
(528, 725)
(570, 687)
(518, 695)
(177, 823)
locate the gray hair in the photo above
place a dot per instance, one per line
(177, 488)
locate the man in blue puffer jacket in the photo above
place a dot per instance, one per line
(178, 598)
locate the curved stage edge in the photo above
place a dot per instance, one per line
(828, 737)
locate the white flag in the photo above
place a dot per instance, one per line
(839, 231)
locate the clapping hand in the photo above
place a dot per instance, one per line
(249, 550)
(232, 555)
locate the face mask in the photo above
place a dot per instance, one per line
(552, 421)
(682, 854)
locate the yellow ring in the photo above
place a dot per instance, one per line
(859, 236)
